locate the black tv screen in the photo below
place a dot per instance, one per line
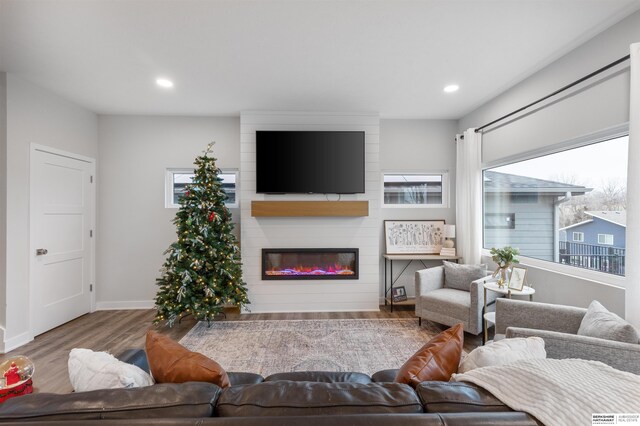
(309, 162)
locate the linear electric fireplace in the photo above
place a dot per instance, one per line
(310, 264)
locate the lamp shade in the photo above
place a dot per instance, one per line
(449, 231)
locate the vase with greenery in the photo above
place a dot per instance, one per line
(504, 258)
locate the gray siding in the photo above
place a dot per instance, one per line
(533, 232)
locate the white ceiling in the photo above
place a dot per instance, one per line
(393, 57)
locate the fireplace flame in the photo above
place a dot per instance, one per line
(335, 269)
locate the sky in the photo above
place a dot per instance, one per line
(590, 165)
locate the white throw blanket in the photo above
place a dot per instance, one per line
(560, 391)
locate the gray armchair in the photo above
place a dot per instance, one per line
(558, 325)
(448, 306)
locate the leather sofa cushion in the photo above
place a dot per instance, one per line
(137, 357)
(457, 397)
(170, 362)
(194, 399)
(385, 375)
(438, 359)
(320, 376)
(451, 419)
(236, 378)
(288, 398)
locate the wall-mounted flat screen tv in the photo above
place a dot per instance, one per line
(309, 162)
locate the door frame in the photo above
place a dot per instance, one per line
(92, 219)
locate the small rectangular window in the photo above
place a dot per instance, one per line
(605, 239)
(578, 237)
(176, 181)
(415, 189)
(500, 220)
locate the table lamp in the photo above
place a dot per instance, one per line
(449, 232)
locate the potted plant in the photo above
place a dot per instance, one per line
(504, 258)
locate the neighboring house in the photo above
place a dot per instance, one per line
(523, 212)
(605, 228)
(597, 243)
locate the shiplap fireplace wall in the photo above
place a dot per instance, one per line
(310, 232)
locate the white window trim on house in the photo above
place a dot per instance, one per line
(606, 240)
(445, 189)
(579, 235)
(168, 185)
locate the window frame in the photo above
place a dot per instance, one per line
(573, 237)
(511, 221)
(445, 189)
(168, 185)
(605, 239)
(603, 278)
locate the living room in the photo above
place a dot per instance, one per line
(80, 78)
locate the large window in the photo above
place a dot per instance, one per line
(564, 207)
(415, 189)
(176, 181)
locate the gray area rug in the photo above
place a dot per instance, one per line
(275, 346)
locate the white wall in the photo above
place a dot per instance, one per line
(591, 108)
(34, 115)
(134, 227)
(3, 198)
(416, 146)
(310, 232)
(602, 104)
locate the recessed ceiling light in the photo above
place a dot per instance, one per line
(163, 82)
(451, 88)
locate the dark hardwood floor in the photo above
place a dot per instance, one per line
(115, 331)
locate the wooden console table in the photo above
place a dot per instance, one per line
(388, 284)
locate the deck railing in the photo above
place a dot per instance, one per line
(598, 258)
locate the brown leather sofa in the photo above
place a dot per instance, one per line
(309, 398)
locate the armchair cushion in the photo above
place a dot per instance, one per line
(459, 277)
(447, 301)
(599, 322)
(619, 355)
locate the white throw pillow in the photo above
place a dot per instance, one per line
(504, 352)
(89, 370)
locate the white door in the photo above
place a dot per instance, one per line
(61, 204)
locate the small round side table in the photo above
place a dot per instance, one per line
(490, 317)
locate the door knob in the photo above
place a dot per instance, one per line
(41, 252)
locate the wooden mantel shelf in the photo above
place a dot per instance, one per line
(309, 208)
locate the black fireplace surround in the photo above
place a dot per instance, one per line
(310, 264)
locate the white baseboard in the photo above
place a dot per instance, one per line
(128, 304)
(15, 342)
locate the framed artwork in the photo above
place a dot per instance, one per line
(413, 236)
(516, 282)
(399, 294)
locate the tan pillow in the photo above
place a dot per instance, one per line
(170, 362)
(437, 360)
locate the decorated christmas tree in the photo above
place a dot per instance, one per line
(203, 270)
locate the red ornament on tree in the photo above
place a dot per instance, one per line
(212, 216)
(187, 193)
